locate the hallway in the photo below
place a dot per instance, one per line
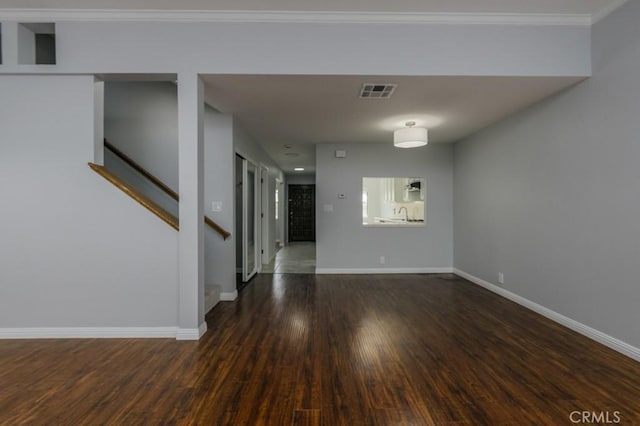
(295, 258)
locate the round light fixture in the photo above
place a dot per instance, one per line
(410, 137)
(299, 169)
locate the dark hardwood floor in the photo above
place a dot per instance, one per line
(330, 350)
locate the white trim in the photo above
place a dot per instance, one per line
(211, 297)
(265, 216)
(191, 333)
(87, 332)
(611, 6)
(585, 330)
(444, 270)
(260, 16)
(229, 296)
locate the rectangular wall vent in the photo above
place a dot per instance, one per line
(377, 91)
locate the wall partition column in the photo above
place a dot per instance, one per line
(191, 323)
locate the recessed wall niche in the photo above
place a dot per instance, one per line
(37, 43)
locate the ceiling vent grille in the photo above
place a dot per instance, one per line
(377, 91)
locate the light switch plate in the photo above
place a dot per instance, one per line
(328, 207)
(216, 206)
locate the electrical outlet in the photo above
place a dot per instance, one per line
(383, 260)
(500, 278)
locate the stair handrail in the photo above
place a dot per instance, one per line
(137, 167)
(161, 185)
(137, 195)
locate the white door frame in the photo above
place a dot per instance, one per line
(265, 215)
(279, 223)
(246, 273)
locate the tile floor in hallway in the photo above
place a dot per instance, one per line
(295, 258)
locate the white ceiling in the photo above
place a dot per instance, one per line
(591, 7)
(302, 111)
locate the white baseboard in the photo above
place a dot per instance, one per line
(211, 297)
(103, 333)
(87, 332)
(348, 271)
(191, 333)
(600, 337)
(229, 296)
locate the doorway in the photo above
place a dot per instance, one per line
(247, 225)
(302, 213)
(265, 216)
(278, 214)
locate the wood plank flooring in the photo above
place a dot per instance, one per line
(330, 350)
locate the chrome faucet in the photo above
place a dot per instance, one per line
(406, 213)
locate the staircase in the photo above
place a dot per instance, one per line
(156, 197)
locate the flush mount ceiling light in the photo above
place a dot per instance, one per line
(409, 136)
(298, 169)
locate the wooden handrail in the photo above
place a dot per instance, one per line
(136, 195)
(157, 182)
(223, 232)
(137, 167)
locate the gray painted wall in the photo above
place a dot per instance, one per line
(342, 241)
(218, 186)
(141, 119)
(550, 197)
(75, 251)
(310, 48)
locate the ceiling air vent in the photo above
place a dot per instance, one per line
(377, 91)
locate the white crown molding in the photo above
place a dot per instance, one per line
(354, 271)
(607, 10)
(120, 15)
(87, 332)
(600, 337)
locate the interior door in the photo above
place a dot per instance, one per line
(265, 215)
(249, 220)
(302, 213)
